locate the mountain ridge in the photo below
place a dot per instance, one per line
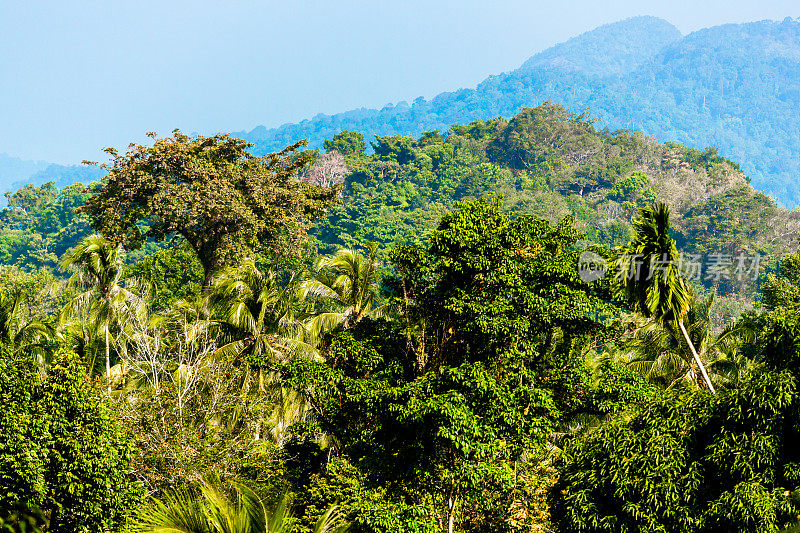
(16, 173)
(650, 35)
(676, 94)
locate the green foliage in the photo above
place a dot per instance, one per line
(61, 450)
(348, 284)
(262, 320)
(610, 235)
(19, 331)
(446, 391)
(647, 268)
(633, 191)
(215, 512)
(689, 462)
(732, 222)
(437, 408)
(212, 192)
(615, 388)
(547, 134)
(173, 273)
(97, 269)
(346, 143)
(783, 289)
(39, 225)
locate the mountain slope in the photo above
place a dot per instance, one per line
(15, 173)
(611, 49)
(732, 86)
(13, 169)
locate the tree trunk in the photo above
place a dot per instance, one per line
(452, 518)
(206, 249)
(208, 279)
(696, 357)
(108, 361)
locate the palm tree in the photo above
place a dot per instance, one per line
(17, 331)
(347, 280)
(659, 351)
(97, 266)
(81, 337)
(214, 512)
(649, 276)
(260, 319)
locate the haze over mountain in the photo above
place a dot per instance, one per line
(610, 49)
(733, 86)
(15, 173)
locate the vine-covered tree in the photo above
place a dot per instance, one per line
(212, 192)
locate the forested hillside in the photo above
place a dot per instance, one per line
(731, 86)
(545, 161)
(402, 340)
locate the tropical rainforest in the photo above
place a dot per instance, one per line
(398, 334)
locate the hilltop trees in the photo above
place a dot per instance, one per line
(212, 192)
(546, 133)
(346, 143)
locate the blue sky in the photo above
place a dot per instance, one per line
(77, 76)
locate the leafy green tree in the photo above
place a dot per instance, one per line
(212, 192)
(173, 273)
(537, 135)
(633, 190)
(397, 148)
(688, 461)
(347, 143)
(61, 451)
(649, 276)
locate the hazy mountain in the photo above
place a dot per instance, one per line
(610, 49)
(62, 175)
(15, 173)
(13, 169)
(735, 86)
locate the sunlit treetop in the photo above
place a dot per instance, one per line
(212, 192)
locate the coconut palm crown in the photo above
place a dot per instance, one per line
(348, 282)
(649, 279)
